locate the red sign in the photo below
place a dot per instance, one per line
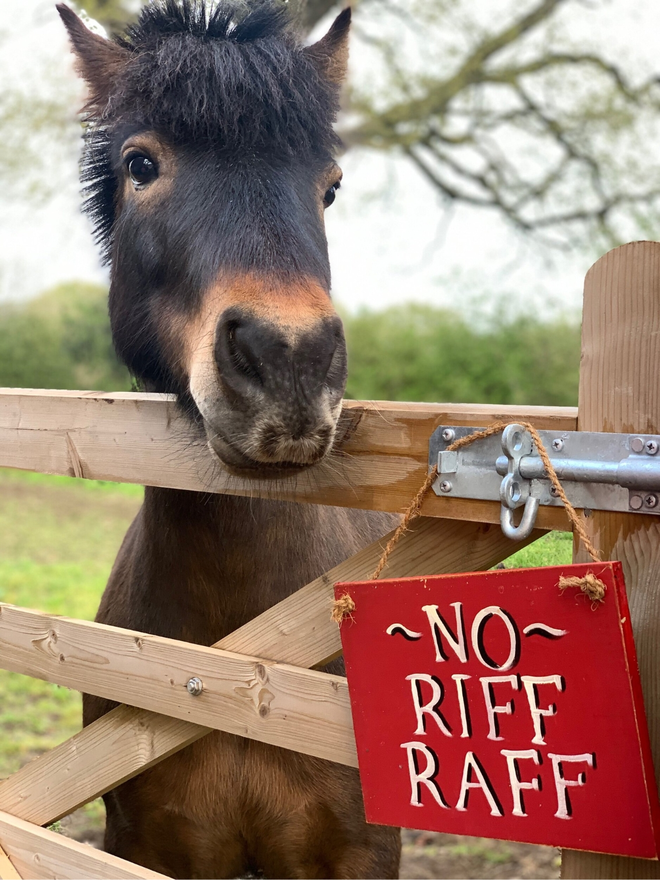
(494, 705)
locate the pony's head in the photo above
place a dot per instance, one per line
(209, 164)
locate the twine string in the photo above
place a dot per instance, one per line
(342, 607)
(590, 585)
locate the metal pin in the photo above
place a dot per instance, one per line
(637, 444)
(636, 502)
(195, 686)
(446, 486)
(448, 435)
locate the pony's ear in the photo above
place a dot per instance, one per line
(330, 54)
(99, 61)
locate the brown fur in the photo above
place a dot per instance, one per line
(196, 567)
(331, 52)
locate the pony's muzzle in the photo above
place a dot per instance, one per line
(282, 383)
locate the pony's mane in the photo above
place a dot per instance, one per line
(219, 21)
(219, 74)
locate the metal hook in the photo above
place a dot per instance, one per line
(515, 489)
(524, 529)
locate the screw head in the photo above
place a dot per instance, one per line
(446, 486)
(448, 435)
(637, 444)
(557, 444)
(651, 447)
(195, 686)
(651, 501)
(554, 492)
(636, 502)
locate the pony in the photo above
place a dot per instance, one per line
(209, 161)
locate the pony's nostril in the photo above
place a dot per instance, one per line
(243, 358)
(335, 373)
(237, 351)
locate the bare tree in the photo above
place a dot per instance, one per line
(551, 137)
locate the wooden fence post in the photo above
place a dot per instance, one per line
(620, 392)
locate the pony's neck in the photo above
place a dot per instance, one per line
(213, 562)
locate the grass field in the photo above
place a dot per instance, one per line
(58, 540)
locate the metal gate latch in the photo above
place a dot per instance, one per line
(619, 472)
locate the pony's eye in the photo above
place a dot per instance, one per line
(331, 194)
(142, 170)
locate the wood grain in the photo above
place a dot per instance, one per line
(7, 869)
(620, 392)
(299, 630)
(38, 853)
(288, 706)
(143, 438)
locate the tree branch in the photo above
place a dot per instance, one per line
(471, 72)
(521, 134)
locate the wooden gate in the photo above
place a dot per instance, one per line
(137, 438)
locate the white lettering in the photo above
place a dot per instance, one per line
(478, 627)
(564, 810)
(492, 708)
(466, 726)
(517, 786)
(439, 626)
(472, 766)
(425, 777)
(429, 708)
(531, 683)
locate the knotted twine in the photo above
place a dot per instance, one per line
(590, 585)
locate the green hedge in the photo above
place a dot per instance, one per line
(415, 352)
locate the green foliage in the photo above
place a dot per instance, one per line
(418, 352)
(57, 544)
(36, 135)
(60, 340)
(58, 540)
(554, 548)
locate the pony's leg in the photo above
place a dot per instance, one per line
(319, 847)
(172, 844)
(380, 856)
(304, 818)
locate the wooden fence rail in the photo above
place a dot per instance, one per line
(143, 438)
(41, 854)
(286, 706)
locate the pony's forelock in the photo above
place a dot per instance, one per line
(210, 74)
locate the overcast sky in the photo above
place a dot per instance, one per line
(391, 239)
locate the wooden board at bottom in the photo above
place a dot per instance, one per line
(38, 853)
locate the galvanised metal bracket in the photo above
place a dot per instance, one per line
(598, 471)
